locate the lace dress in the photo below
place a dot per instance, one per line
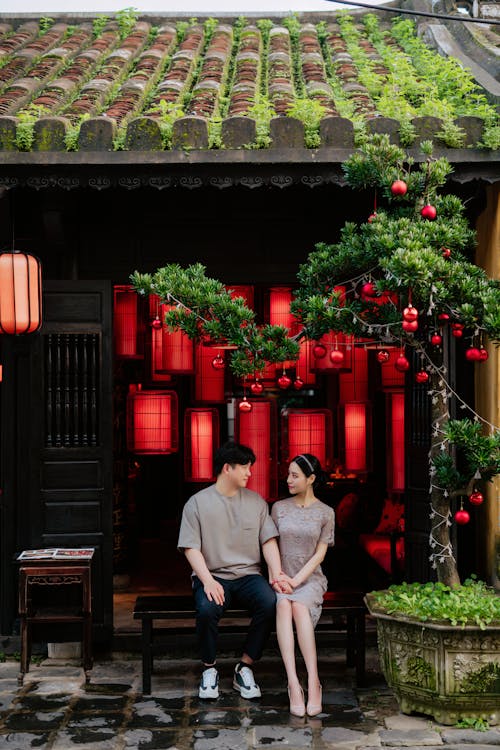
(300, 530)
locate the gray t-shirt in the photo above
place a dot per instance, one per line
(229, 531)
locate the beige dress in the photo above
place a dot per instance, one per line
(300, 530)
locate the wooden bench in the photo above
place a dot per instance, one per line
(348, 605)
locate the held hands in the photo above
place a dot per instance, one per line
(214, 592)
(282, 584)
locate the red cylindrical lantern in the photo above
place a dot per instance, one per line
(125, 323)
(391, 378)
(356, 430)
(201, 438)
(308, 431)
(396, 440)
(280, 314)
(208, 382)
(258, 429)
(353, 385)
(242, 290)
(152, 422)
(305, 363)
(20, 293)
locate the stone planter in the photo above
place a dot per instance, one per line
(444, 671)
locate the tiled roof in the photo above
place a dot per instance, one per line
(229, 84)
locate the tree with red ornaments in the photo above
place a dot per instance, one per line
(404, 278)
(409, 281)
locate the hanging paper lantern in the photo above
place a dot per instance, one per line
(20, 293)
(201, 438)
(462, 517)
(126, 329)
(402, 363)
(258, 428)
(280, 314)
(152, 422)
(383, 355)
(422, 376)
(256, 387)
(308, 431)
(476, 498)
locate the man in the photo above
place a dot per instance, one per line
(223, 530)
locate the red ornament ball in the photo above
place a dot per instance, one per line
(476, 498)
(410, 313)
(156, 323)
(218, 362)
(421, 376)
(245, 406)
(383, 356)
(410, 326)
(473, 354)
(298, 383)
(336, 357)
(402, 364)
(399, 187)
(372, 217)
(462, 517)
(368, 290)
(436, 339)
(457, 330)
(445, 252)
(443, 317)
(256, 387)
(428, 212)
(319, 351)
(483, 354)
(284, 382)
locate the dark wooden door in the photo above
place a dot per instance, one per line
(57, 437)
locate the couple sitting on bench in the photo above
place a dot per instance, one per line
(224, 529)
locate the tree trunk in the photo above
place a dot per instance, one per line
(441, 552)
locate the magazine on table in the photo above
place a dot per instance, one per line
(57, 553)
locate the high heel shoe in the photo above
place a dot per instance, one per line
(297, 709)
(314, 709)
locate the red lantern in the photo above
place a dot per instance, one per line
(390, 376)
(356, 436)
(399, 187)
(410, 313)
(152, 422)
(336, 357)
(125, 322)
(396, 445)
(245, 406)
(242, 290)
(201, 438)
(436, 339)
(305, 363)
(462, 517)
(20, 293)
(353, 385)
(284, 382)
(483, 354)
(410, 326)
(308, 431)
(383, 355)
(258, 428)
(280, 299)
(422, 376)
(473, 354)
(298, 384)
(208, 382)
(428, 212)
(476, 498)
(319, 351)
(402, 364)
(256, 387)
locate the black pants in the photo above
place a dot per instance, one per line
(251, 592)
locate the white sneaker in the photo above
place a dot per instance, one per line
(209, 684)
(244, 682)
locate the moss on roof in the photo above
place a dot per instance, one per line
(125, 83)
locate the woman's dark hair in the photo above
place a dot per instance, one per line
(309, 464)
(232, 453)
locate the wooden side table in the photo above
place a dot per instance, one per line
(36, 609)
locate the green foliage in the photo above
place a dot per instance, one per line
(26, 124)
(483, 680)
(73, 132)
(477, 453)
(168, 113)
(491, 137)
(310, 112)
(451, 135)
(98, 25)
(472, 603)
(126, 20)
(262, 111)
(45, 23)
(480, 725)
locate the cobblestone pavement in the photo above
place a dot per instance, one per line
(55, 710)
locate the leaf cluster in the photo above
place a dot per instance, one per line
(476, 453)
(472, 603)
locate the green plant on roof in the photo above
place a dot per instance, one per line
(309, 112)
(126, 20)
(25, 131)
(45, 23)
(98, 25)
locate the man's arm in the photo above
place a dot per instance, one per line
(212, 588)
(271, 553)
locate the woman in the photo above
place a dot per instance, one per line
(306, 530)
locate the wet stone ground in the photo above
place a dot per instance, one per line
(56, 710)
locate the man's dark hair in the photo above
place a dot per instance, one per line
(232, 453)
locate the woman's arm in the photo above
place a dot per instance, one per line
(310, 565)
